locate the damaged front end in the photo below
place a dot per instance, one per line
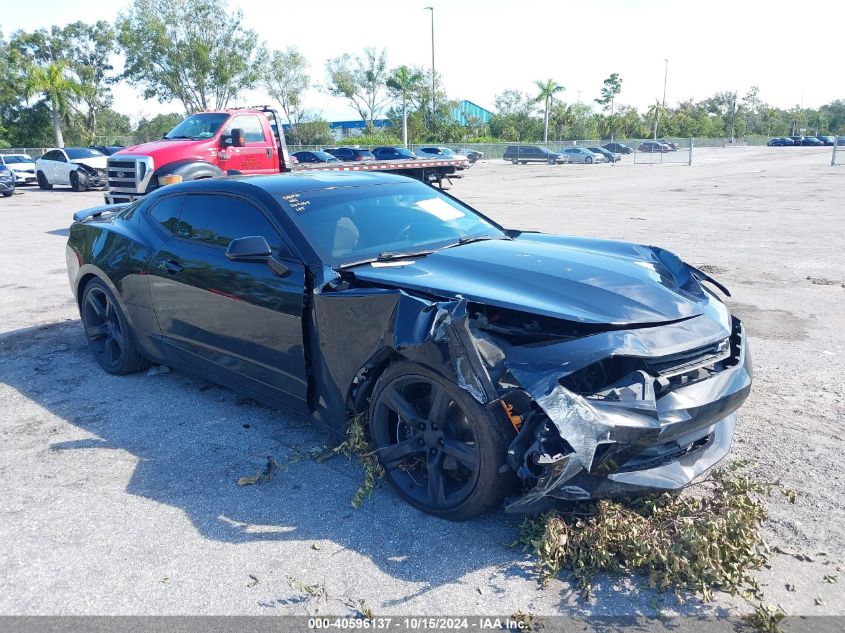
(598, 410)
(621, 411)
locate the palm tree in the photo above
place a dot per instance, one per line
(57, 87)
(548, 90)
(402, 83)
(655, 111)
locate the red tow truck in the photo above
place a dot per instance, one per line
(233, 142)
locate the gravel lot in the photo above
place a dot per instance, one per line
(118, 494)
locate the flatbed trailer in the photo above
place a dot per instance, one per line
(236, 142)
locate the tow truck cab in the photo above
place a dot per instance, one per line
(204, 145)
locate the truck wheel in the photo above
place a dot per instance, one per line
(42, 181)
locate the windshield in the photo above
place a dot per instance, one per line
(354, 224)
(17, 159)
(75, 153)
(199, 126)
(324, 156)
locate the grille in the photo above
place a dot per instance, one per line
(128, 176)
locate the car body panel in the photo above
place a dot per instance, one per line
(553, 276)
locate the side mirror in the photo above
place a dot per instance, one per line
(238, 139)
(254, 249)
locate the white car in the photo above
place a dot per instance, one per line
(21, 165)
(80, 167)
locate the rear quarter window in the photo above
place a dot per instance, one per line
(167, 211)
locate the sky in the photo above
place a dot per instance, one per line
(483, 47)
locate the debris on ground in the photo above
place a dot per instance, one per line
(264, 473)
(697, 542)
(357, 444)
(158, 370)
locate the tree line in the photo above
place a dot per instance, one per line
(199, 54)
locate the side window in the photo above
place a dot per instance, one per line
(216, 220)
(166, 212)
(250, 124)
(53, 155)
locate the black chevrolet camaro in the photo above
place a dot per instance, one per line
(491, 364)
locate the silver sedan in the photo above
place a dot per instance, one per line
(579, 155)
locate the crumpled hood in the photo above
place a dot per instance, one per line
(94, 162)
(577, 279)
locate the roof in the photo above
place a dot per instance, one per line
(295, 182)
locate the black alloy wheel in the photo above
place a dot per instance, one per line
(441, 451)
(110, 337)
(77, 183)
(42, 181)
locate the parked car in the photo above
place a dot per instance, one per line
(608, 157)
(441, 152)
(780, 141)
(811, 141)
(471, 154)
(486, 362)
(653, 147)
(581, 155)
(827, 140)
(618, 148)
(80, 167)
(7, 182)
(428, 152)
(796, 140)
(107, 150)
(315, 156)
(22, 167)
(673, 147)
(354, 154)
(393, 153)
(532, 154)
(840, 140)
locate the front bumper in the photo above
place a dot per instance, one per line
(645, 432)
(24, 178)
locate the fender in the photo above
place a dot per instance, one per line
(189, 169)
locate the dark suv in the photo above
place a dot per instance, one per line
(532, 154)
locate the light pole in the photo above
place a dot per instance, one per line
(663, 105)
(432, 65)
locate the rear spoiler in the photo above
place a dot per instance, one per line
(96, 212)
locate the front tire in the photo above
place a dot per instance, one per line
(440, 449)
(42, 181)
(110, 338)
(77, 183)
(588, 160)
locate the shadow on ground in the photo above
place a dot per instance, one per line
(192, 440)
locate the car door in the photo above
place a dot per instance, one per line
(256, 155)
(237, 320)
(62, 167)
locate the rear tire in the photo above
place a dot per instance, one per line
(42, 181)
(514, 161)
(441, 450)
(110, 337)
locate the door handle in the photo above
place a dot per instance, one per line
(269, 153)
(171, 266)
